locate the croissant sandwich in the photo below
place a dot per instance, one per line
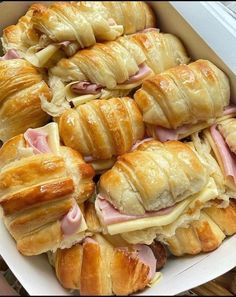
(64, 27)
(183, 100)
(21, 86)
(98, 267)
(156, 185)
(112, 69)
(205, 234)
(41, 184)
(102, 129)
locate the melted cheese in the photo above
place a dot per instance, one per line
(41, 57)
(208, 193)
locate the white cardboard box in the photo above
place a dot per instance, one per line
(192, 22)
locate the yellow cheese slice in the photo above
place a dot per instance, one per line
(208, 193)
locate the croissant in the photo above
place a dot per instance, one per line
(69, 26)
(40, 186)
(183, 99)
(205, 234)
(102, 129)
(172, 168)
(97, 267)
(21, 86)
(112, 69)
(221, 138)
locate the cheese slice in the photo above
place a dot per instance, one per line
(41, 57)
(209, 192)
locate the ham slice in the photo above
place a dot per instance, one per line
(110, 215)
(228, 158)
(88, 158)
(10, 55)
(146, 256)
(37, 140)
(229, 109)
(144, 70)
(137, 144)
(85, 87)
(72, 221)
(165, 134)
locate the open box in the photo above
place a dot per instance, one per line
(179, 274)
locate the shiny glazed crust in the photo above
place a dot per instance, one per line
(102, 128)
(172, 168)
(21, 86)
(98, 268)
(186, 94)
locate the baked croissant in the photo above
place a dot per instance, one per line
(21, 86)
(69, 26)
(205, 234)
(183, 99)
(221, 138)
(41, 183)
(102, 129)
(112, 69)
(97, 267)
(156, 186)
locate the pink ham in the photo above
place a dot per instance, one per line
(85, 87)
(137, 144)
(164, 134)
(72, 221)
(110, 215)
(144, 70)
(228, 158)
(229, 109)
(10, 55)
(37, 140)
(147, 257)
(149, 30)
(88, 158)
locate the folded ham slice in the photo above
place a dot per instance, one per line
(37, 140)
(85, 87)
(144, 71)
(137, 144)
(228, 158)
(110, 215)
(10, 55)
(145, 254)
(229, 109)
(71, 222)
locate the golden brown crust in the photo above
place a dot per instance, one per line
(91, 282)
(102, 128)
(67, 272)
(38, 217)
(203, 235)
(173, 169)
(38, 190)
(21, 86)
(129, 275)
(91, 218)
(81, 173)
(42, 241)
(174, 97)
(37, 194)
(225, 218)
(98, 268)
